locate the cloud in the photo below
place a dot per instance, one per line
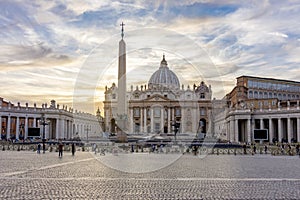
(229, 39)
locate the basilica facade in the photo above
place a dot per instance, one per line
(162, 106)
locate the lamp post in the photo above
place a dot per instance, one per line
(44, 123)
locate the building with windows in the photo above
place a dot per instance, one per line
(260, 103)
(21, 122)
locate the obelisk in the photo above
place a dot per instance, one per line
(122, 101)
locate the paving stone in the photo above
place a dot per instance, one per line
(27, 175)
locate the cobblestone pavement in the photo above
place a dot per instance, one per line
(27, 175)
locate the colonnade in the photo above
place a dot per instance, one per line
(240, 128)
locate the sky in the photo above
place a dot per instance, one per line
(67, 50)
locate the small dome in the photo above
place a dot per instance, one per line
(164, 77)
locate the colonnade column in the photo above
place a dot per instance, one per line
(57, 128)
(182, 120)
(145, 120)
(231, 130)
(162, 120)
(34, 122)
(289, 131)
(271, 130)
(17, 128)
(261, 124)
(131, 123)
(151, 121)
(279, 129)
(248, 130)
(141, 120)
(26, 127)
(169, 120)
(8, 127)
(236, 130)
(298, 129)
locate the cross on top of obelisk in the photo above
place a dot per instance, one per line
(122, 34)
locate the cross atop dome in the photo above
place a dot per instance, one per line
(163, 63)
(122, 33)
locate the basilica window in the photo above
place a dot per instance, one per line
(156, 112)
(177, 112)
(202, 96)
(202, 111)
(265, 95)
(113, 96)
(136, 112)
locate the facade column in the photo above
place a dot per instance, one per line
(34, 122)
(271, 131)
(26, 127)
(182, 124)
(279, 129)
(47, 135)
(261, 123)
(298, 129)
(231, 130)
(8, 127)
(162, 120)
(145, 120)
(169, 120)
(141, 120)
(57, 135)
(62, 128)
(131, 123)
(248, 130)
(17, 128)
(289, 130)
(151, 120)
(236, 130)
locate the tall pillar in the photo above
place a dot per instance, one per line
(169, 120)
(26, 127)
(248, 131)
(17, 128)
(271, 130)
(236, 130)
(298, 129)
(141, 120)
(131, 123)
(261, 123)
(151, 121)
(8, 127)
(289, 130)
(122, 102)
(62, 128)
(162, 120)
(34, 122)
(47, 135)
(279, 129)
(57, 128)
(182, 124)
(145, 120)
(231, 128)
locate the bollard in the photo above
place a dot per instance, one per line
(3, 148)
(235, 152)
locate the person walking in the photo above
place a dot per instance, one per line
(73, 149)
(39, 148)
(60, 149)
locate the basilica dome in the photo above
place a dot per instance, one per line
(164, 77)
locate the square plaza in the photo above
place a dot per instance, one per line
(28, 175)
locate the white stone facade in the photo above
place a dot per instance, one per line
(62, 123)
